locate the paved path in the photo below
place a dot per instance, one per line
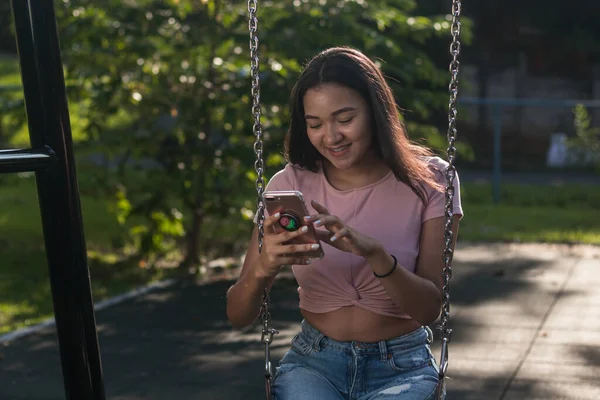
(526, 321)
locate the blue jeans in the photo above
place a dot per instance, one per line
(319, 368)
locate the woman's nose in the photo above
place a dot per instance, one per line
(332, 134)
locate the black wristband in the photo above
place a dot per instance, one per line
(392, 270)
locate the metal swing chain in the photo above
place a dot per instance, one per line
(446, 332)
(267, 331)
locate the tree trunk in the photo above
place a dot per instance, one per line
(192, 251)
(192, 248)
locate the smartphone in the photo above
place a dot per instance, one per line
(291, 205)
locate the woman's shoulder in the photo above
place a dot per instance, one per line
(439, 166)
(437, 163)
(290, 169)
(290, 176)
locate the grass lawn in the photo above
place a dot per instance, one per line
(25, 296)
(540, 214)
(541, 224)
(9, 71)
(558, 214)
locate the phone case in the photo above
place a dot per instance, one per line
(291, 205)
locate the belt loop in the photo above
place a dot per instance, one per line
(429, 335)
(313, 334)
(317, 341)
(304, 327)
(383, 353)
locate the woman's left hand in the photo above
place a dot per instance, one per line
(341, 236)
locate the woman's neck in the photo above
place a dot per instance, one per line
(357, 176)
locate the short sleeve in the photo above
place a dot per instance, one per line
(437, 199)
(282, 180)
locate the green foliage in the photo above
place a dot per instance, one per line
(25, 296)
(160, 89)
(12, 112)
(586, 143)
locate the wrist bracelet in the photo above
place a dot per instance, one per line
(388, 273)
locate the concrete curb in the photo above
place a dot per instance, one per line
(22, 332)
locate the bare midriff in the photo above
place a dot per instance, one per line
(357, 324)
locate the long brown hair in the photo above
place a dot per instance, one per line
(351, 68)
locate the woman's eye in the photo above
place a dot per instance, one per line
(314, 126)
(346, 121)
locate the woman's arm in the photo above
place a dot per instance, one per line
(418, 294)
(244, 298)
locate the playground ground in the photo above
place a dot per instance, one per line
(526, 320)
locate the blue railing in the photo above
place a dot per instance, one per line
(497, 105)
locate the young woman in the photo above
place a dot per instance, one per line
(378, 204)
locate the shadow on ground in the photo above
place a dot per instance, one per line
(176, 343)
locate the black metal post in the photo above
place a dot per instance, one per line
(58, 192)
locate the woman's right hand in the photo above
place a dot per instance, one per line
(275, 253)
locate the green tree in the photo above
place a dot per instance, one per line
(585, 146)
(162, 89)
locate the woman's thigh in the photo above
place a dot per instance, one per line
(418, 387)
(409, 374)
(307, 371)
(296, 382)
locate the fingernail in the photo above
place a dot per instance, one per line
(276, 215)
(318, 222)
(307, 218)
(332, 239)
(314, 246)
(304, 228)
(308, 261)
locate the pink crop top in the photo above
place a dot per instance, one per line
(388, 211)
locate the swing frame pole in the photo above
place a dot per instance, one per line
(52, 159)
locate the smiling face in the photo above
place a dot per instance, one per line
(338, 125)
